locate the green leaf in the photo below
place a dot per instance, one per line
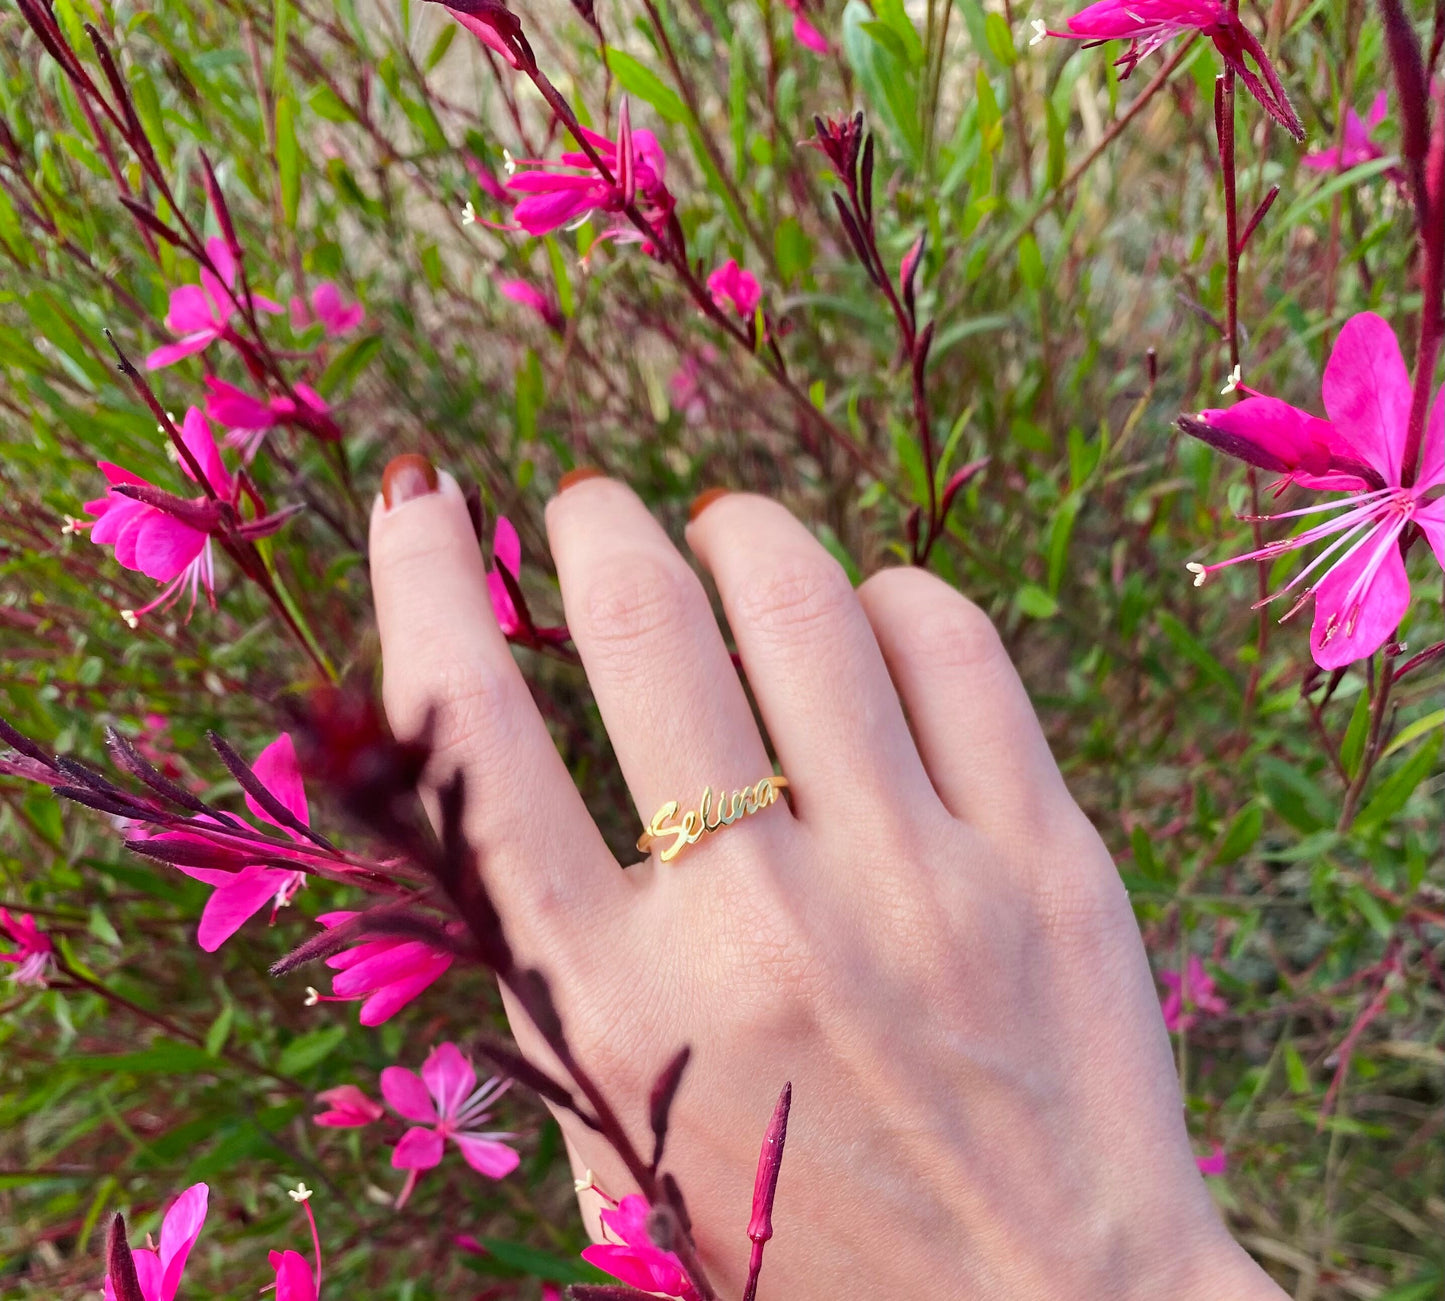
(440, 46)
(339, 376)
(1058, 156)
(636, 79)
(1352, 748)
(309, 1049)
(1425, 1287)
(288, 158)
(535, 1263)
(163, 1057)
(1243, 831)
(1000, 39)
(1193, 650)
(1371, 910)
(1295, 1070)
(792, 248)
(1060, 531)
(1035, 602)
(1394, 792)
(1420, 727)
(220, 1030)
(1031, 264)
(896, 18)
(889, 84)
(281, 24)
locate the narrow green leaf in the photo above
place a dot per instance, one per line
(310, 1049)
(1394, 792)
(636, 79)
(1352, 748)
(288, 158)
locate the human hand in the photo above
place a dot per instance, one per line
(928, 938)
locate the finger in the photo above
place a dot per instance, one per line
(541, 854)
(814, 668)
(674, 708)
(976, 730)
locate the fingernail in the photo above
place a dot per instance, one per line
(579, 475)
(407, 476)
(703, 500)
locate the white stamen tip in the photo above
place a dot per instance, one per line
(469, 215)
(1231, 383)
(301, 1193)
(509, 164)
(313, 996)
(1040, 31)
(71, 525)
(1199, 572)
(584, 1183)
(131, 621)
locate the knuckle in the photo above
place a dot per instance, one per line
(634, 597)
(474, 709)
(957, 635)
(795, 594)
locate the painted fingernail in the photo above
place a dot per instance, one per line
(406, 477)
(579, 475)
(703, 500)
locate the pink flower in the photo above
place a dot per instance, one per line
(240, 895)
(249, 419)
(388, 972)
(294, 1278)
(557, 194)
(1357, 147)
(337, 317)
(1188, 995)
(1363, 592)
(159, 1271)
(731, 286)
(201, 314)
(1148, 24)
(1215, 1163)
(684, 386)
(484, 177)
(448, 1105)
(35, 954)
(520, 292)
(156, 542)
(804, 32)
(507, 552)
(633, 1258)
(346, 1108)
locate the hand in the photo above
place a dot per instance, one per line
(928, 938)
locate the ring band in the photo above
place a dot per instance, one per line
(695, 823)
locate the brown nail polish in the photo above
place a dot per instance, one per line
(407, 476)
(579, 475)
(703, 500)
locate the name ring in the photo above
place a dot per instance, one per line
(688, 827)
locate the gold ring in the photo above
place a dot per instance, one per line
(696, 822)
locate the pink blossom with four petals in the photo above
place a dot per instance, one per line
(201, 314)
(248, 419)
(34, 955)
(347, 1107)
(154, 542)
(1189, 995)
(1356, 147)
(446, 1103)
(1361, 592)
(634, 1258)
(731, 286)
(238, 896)
(159, 1271)
(386, 972)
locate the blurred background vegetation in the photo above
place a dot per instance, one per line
(1075, 271)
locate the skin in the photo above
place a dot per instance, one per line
(927, 937)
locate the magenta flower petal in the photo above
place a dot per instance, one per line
(162, 545)
(179, 1231)
(808, 36)
(407, 1095)
(347, 1107)
(170, 353)
(507, 546)
(235, 408)
(419, 1149)
(1366, 391)
(279, 773)
(387, 1001)
(1360, 601)
(201, 443)
(449, 1077)
(235, 903)
(293, 1277)
(1213, 1164)
(191, 312)
(487, 1156)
